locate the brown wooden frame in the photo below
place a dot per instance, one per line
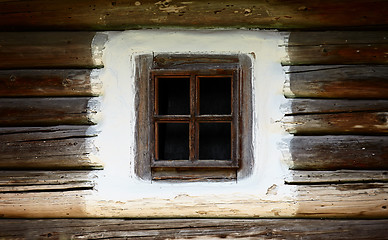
(149, 68)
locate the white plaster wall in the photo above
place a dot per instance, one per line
(116, 142)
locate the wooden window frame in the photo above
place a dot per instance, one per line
(149, 68)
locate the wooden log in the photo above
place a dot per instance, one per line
(46, 83)
(60, 147)
(338, 152)
(338, 81)
(47, 111)
(121, 15)
(45, 181)
(193, 229)
(336, 177)
(310, 106)
(337, 123)
(48, 50)
(309, 48)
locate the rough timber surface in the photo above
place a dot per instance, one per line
(46, 83)
(338, 152)
(47, 111)
(58, 147)
(193, 229)
(337, 81)
(17, 15)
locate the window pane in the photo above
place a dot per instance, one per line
(215, 141)
(215, 95)
(173, 141)
(174, 96)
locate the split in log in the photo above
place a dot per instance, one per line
(309, 48)
(60, 147)
(47, 111)
(49, 83)
(193, 229)
(338, 81)
(338, 152)
(45, 181)
(48, 50)
(122, 15)
(337, 123)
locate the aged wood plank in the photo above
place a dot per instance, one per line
(120, 15)
(47, 111)
(58, 82)
(338, 81)
(26, 181)
(338, 152)
(353, 200)
(337, 123)
(310, 48)
(46, 50)
(309, 106)
(340, 176)
(193, 229)
(59, 147)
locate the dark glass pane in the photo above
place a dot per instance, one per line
(173, 141)
(215, 95)
(174, 96)
(215, 141)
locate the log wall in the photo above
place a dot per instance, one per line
(336, 86)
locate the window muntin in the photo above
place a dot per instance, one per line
(212, 120)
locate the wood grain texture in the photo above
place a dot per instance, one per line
(336, 177)
(323, 48)
(46, 50)
(337, 123)
(46, 83)
(338, 81)
(45, 181)
(338, 152)
(59, 147)
(47, 111)
(193, 229)
(306, 106)
(19, 15)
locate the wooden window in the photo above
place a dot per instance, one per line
(192, 117)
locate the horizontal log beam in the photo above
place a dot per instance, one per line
(194, 228)
(337, 123)
(49, 83)
(336, 177)
(47, 111)
(45, 181)
(310, 106)
(323, 48)
(49, 50)
(338, 152)
(338, 81)
(119, 15)
(60, 147)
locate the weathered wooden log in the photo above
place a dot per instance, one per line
(121, 15)
(308, 48)
(338, 152)
(308, 106)
(60, 147)
(46, 83)
(193, 228)
(47, 111)
(49, 50)
(45, 181)
(337, 123)
(338, 81)
(336, 177)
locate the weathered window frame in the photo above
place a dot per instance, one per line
(236, 66)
